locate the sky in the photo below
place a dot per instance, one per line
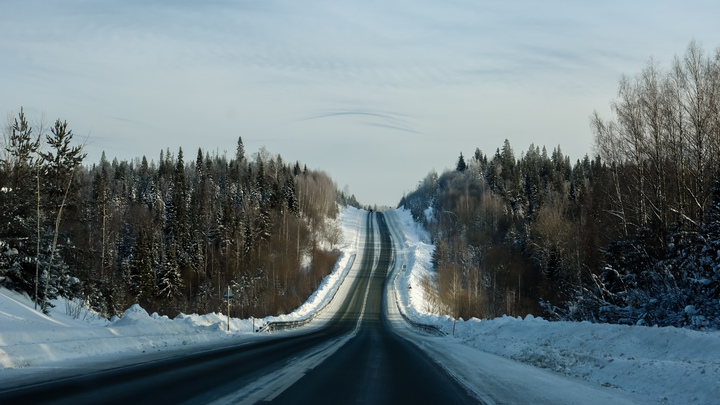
(375, 93)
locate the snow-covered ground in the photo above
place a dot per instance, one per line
(524, 360)
(31, 341)
(660, 365)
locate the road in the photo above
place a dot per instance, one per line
(353, 358)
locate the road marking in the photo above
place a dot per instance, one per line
(376, 261)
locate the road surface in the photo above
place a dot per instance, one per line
(355, 357)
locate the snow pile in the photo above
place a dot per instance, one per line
(664, 364)
(135, 315)
(29, 338)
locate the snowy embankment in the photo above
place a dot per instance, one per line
(30, 339)
(661, 364)
(350, 220)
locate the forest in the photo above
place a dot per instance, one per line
(630, 235)
(171, 235)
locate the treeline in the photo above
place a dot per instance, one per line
(170, 235)
(629, 236)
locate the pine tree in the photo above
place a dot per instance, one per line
(63, 161)
(240, 151)
(19, 205)
(461, 166)
(16, 199)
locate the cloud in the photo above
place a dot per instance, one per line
(387, 120)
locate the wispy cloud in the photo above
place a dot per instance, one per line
(387, 120)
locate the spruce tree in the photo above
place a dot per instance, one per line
(290, 197)
(101, 205)
(461, 166)
(240, 151)
(199, 166)
(179, 218)
(170, 283)
(261, 183)
(143, 278)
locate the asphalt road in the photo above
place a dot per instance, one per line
(355, 358)
(377, 366)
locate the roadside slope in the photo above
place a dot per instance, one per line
(73, 336)
(659, 364)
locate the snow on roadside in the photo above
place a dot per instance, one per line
(351, 219)
(668, 365)
(415, 252)
(29, 338)
(664, 364)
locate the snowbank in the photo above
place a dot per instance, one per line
(28, 338)
(662, 364)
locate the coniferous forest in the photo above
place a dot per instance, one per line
(630, 235)
(170, 234)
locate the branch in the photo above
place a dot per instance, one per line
(685, 217)
(694, 198)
